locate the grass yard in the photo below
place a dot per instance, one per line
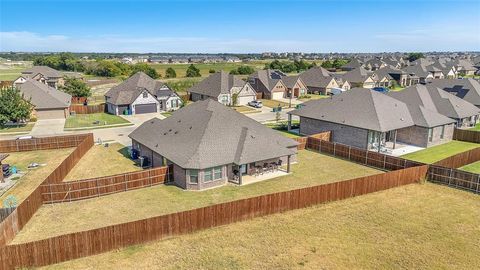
(10, 73)
(103, 161)
(289, 134)
(274, 103)
(472, 167)
(313, 97)
(87, 121)
(245, 109)
(34, 177)
(21, 129)
(439, 152)
(475, 128)
(181, 69)
(56, 219)
(411, 227)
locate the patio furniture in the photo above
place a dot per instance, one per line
(279, 163)
(266, 168)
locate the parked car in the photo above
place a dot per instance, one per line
(381, 89)
(255, 104)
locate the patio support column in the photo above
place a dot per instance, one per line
(288, 164)
(289, 122)
(379, 141)
(395, 139)
(239, 175)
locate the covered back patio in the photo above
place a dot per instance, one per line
(260, 170)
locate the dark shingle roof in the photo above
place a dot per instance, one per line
(422, 107)
(359, 107)
(316, 77)
(207, 134)
(354, 63)
(44, 96)
(268, 77)
(358, 75)
(130, 89)
(466, 89)
(216, 84)
(44, 70)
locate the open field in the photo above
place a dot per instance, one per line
(10, 73)
(17, 129)
(51, 220)
(411, 227)
(102, 161)
(34, 177)
(87, 121)
(439, 152)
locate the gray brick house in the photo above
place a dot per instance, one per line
(207, 144)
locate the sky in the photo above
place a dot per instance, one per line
(239, 26)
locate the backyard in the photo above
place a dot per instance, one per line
(48, 160)
(439, 230)
(439, 152)
(102, 161)
(50, 220)
(94, 120)
(473, 167)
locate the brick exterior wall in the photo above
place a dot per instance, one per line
(353, 136)
(419, 135)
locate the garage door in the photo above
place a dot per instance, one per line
(145, 108)
(244, 100)
(277, 95)
(50, 114)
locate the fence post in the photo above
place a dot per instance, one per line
(98, 188)
(149, 177)
(478, 183)
(366, 157)
(384, 161)
(125, 180)
(404, 163)
(334, 149)
(349, 155)
(450, 176)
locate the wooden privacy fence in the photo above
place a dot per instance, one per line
(34, 144)
(101, 186)
(466, 135)
(5, 212)
(461, 159)
(454, 178)
(357, 155)
(22, 214)
(302, 142)
(86, 243)
(87, 109)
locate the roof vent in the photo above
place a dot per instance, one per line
(156, 145)
(165, 133)
(402, 119)
(179, 121)
(170, 130)
(190, 127)
(176, 132)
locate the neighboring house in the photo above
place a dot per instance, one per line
(447, 68)
(359, 77)
(420, 72)
(207, 144)
(319, 80)
(43, 74)
(434, 99)
(222, 86)
(295, 86)
(353, 64)
(374, 64)
(141, 94)
(269, 83)
(401, 77)
(466, 89)
(464, 67)
(383, 78)
(392, 62)
(49, 102)
(361, 118)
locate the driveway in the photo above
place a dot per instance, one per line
(138, 119)
(267, 115)
(48, 127)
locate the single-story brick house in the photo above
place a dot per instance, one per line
(43, 74)
(222, 86)
(141, 94)
(49, 102)
(359, 78)
(319, 80)
(295, 86)
(269, 83)
(207, 144)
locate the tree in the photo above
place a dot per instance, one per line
(170, 73)
(145, 68)
(338, 63)
(211, 70)
(106, 69)
(414, 56)
(13, 106)
(327, 64)
(76, 88)
(234, 99)
(193, 71)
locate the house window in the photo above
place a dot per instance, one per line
(217, 172)
(442, 134)
(430, 134)
(207, 175)
(193, 176)
(145, 95)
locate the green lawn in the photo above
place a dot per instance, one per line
(50, 220)
(475, 128)
(289, 134)
(17, 129)
(87, 121)
(11, 73)
(412, 227)
(48, 159)
(114, 159)
(274, 103)
(473, 167)
(439, 152)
